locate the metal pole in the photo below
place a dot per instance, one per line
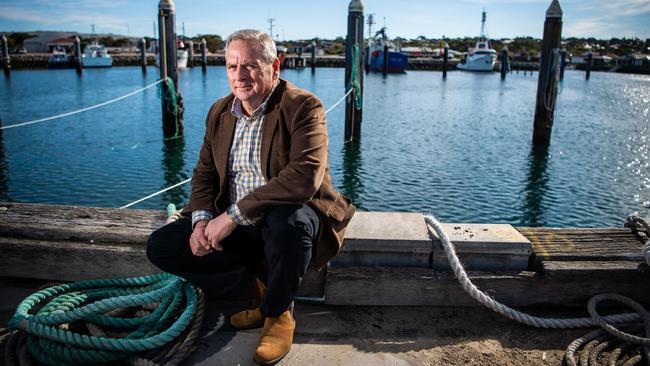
(313, 57)
(204, 53)
(6, 62)
(504, 62)
(590, 61)
(354, 37)
(190, 54)
(172, 123)
(445, 61)
(143, 54)
(384, 69)
(548, 76)
(77, 53)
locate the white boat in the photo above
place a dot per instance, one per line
(182, 54)
(59, 59)
(96, 55)
(481, 57)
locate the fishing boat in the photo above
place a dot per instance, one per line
(96, 55)
(482, 57)
(182, 55)
(59, 59)
(397, 61)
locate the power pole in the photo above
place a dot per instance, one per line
(271, 20)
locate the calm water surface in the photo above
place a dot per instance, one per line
(458, 148)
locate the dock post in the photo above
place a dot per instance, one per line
(77, 54)
(505, 66)
(172, 115)
(204, 53)
(6, 62)
(313, 57)
(190, 54)
(354, 40)
(562, 63)
(548, 76)
(445, 61)
(590, 61)
(143, 54)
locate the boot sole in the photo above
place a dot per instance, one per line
(247, 328)
(272, 362)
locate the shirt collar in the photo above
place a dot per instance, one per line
(238, 110)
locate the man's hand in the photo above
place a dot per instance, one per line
(218, 229)
(198, 241)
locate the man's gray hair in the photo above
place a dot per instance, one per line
(261, 40)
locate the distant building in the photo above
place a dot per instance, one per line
(598, 59)
(43, 42)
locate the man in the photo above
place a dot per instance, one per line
(262, 195)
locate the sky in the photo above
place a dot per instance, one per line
(307, 19)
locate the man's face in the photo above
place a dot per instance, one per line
(250, 78)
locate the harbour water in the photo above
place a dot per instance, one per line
(459, 148)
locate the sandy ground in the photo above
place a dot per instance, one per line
(360, 335)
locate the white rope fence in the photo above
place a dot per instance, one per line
(189, 179)
(83, 109)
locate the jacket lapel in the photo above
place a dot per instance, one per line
(271, 118)
(224, 138)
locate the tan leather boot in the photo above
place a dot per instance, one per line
(251, 318)
(276, 339)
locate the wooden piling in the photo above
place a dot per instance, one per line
(445, 61)
(4, 47)
(204, 53)
(590, 61)
(77, 54)
(313, 57)
(143, 54)
(190, 54)
(354, 39)
(562, 63)
(172, 123)
(504, 63)
(547, 81)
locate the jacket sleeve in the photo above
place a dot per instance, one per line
(299, 181)
(205, 179)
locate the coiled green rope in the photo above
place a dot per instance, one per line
(354, 80)
(51, 342)
(167, 92)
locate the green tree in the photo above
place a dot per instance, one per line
(214, 42)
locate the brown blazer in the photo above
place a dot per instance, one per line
(294, 162)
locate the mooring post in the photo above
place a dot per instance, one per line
(190, 54)
(204, 53)
(143, 54)
(445, 61)
(172, 115)
(590, 61)
(548, 75)
(562, 63)
(4, 47)
(77, 54)
(384, 69)
(354, 65)
(313, 57)
(505, 60)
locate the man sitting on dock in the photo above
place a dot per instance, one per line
(262, 195)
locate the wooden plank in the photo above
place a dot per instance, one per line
(583, 244)
(419, 286)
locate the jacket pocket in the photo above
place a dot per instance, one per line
(339, 208)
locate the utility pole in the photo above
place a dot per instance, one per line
(271, 20)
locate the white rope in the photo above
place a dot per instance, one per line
(187, 180)
(83, 109)
(157, 193)
(504, 310)
(339, 101)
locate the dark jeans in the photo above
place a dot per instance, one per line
(285, 239)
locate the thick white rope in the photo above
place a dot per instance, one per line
(83, 109)
(504, 310)
(187, 180)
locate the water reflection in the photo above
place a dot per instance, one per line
(352, 174)
(534, 212)
(172, 164)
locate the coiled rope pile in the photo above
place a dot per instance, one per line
(151, 320)
(618, 347)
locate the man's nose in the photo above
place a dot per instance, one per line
(240, 72)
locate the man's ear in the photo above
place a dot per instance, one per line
(276, 67)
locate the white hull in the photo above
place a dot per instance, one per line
(182, 58)
(97, 61)
(478, 63)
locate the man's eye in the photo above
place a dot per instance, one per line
(231, 67)
(251, 67)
